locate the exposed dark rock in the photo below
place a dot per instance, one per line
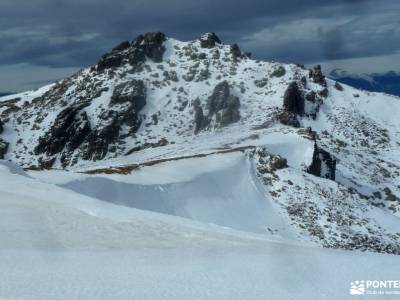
(150, 45)
(277, 162)
(98, 141)
(69, 130)
(3, 148)
(230, 113)
(202, 56)
(46, 164)
(121, 47)
(317, 75)
(324, 93)
(288, 118)
(338, 86)
(217, 100)
(224, 105)
(110, 60)
(293, 100)
(133, 91)
(161, 143)
(279, 72)
(221, 104)
(248, 54)
(311, 96)
(171, 75)
(209, 39)
(1, 126)
(323, 164)
(236, 53)
(389, 195)
(200, 121)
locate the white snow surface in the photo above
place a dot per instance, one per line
(59, 244)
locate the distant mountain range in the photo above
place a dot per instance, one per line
(388, 82)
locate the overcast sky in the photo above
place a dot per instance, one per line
(44, 40)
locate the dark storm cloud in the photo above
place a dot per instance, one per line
(75, 33)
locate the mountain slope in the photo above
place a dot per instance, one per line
(310, 143)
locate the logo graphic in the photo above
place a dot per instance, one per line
(357, 288)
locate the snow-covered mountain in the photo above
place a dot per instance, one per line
(387, 82)
(200, 130)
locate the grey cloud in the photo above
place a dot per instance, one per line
(75, 33)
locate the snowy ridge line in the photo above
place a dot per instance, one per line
(127, 169)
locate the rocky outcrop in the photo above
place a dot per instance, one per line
(221, 104)
(288, 118)
(121, 47)
(3, 148)
(224, 105)
(200, 120)
(209, 40)
(279, 72)
(149, 45)
(323, 164)
(338, 86)
(236, 53)
(130, 98)
(218, 98)
(67, 133)
(1, 126)
(161, 143)
(230, 112)
(293, 100)
(72, 130)
(132, 92)
(98, 141)
(110, 60)
(293, 105)
(317, 76)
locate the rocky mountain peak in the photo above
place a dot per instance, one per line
(209, 40)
